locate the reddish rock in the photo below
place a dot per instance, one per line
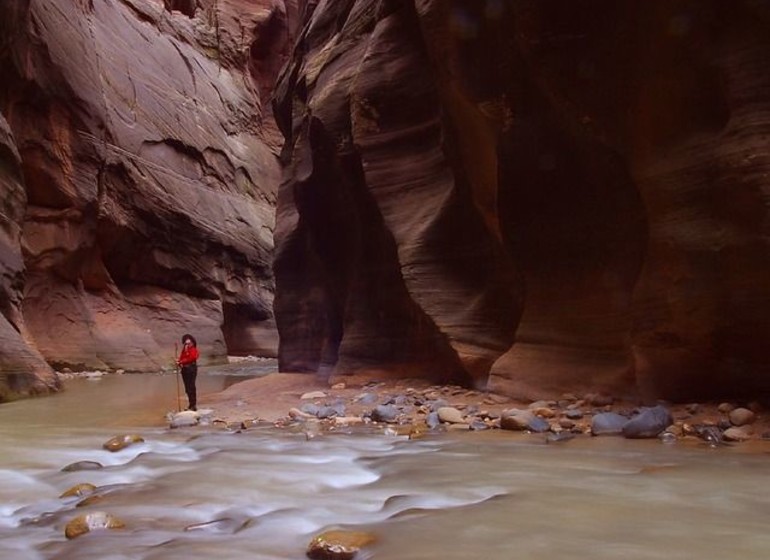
(595, 170)
(23, 371)
(149, 172)
(383, 261)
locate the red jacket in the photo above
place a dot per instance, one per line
(188, 356)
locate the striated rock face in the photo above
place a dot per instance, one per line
(530, 195)
(140, 161)
(23, 371)
(388, 254)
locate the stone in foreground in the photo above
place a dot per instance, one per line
(79, 490)
(338, 545)
(121, 442)
(94, 521)
(648, 423)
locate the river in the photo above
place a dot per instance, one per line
(449, 496)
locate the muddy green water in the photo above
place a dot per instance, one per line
(451, 496)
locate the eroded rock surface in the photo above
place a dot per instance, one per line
(141, 177)
(384, 259)
(589, 179)
(23, 371)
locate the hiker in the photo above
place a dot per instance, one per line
(188, 361)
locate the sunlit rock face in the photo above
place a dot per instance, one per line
(148, 173)
(534, 196)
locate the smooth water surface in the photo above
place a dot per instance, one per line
(448, 496)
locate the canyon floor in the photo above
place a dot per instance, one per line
(280, 398)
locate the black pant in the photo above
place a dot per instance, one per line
(189, 373)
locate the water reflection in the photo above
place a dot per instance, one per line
(265, 493)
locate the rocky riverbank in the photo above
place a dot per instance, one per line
(414, 407)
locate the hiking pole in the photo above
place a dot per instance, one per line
(176, 354)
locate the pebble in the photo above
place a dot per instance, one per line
(601, 400)
(742, 433)
(693, 408)
(450, 415)
(313, 395)
(299, 414)
(479, 425)
(725, 408)
(574, 414)
(667, 437)
(559, 437)
(385, 413)
(184, 419)
(493, 398)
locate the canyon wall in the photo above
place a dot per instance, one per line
(530, 195)
(139, 175)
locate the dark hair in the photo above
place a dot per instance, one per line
(191, 338)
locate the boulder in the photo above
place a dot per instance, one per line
(94, 521)
(607, 423)
(741, 417)
(648, 423)
(338, 545)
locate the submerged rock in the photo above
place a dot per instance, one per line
(90, 500)
(83, 466)
(94, 521)
(121, 442)
(338, 545)
(710, 434)
(79, 490)
(225, 525)
(559, 437)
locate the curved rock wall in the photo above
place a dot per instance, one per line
(23, 371)
(585, 179)
(144, 206)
